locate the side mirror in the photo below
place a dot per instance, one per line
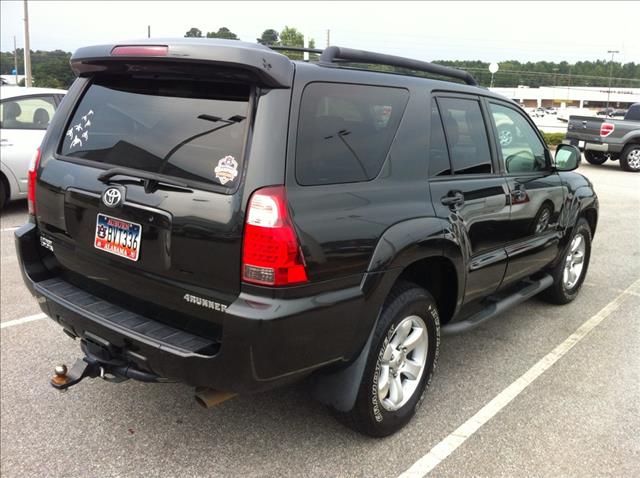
(567, 158)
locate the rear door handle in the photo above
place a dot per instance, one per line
(453, 199)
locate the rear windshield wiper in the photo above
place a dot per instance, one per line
(150, 180)
(214, 119)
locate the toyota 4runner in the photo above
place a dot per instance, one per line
(213, 213)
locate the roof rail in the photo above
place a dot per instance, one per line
(333, 54)
(294, 48)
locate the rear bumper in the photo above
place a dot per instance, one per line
(593, 146)
(265, 342)
(602, 147)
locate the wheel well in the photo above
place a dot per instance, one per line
(5, 182)
(438, 276)
(592, 218)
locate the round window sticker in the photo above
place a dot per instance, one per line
(226, 170)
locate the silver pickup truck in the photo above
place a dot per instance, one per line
(608, 138)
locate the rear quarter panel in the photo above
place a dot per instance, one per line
(339, 225)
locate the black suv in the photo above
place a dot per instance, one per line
(213, 213)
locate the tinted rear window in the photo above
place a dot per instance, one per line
(439, 164)
(345, 131)
(466, 135)
(194, 130)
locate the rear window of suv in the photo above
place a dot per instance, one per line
(345, 131)
(189, 129)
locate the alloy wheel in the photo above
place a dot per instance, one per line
(633, 159)
(403, 363)
(574, 262)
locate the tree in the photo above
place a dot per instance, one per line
(269, 37)
(291, 37)
(223, 32)
(193, 33)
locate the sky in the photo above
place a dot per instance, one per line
(488, 31)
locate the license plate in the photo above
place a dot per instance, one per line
(118, 237)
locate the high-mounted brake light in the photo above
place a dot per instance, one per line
(606, 129)
(271, 253)
(140, 50)
(33, 175)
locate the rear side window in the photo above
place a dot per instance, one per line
(439, 164)
(466, 135)
(193, 130)
(345, 131)
(27, 113)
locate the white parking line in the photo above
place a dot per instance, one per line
(447, 446)
(23, 320)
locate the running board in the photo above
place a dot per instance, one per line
(529, 290)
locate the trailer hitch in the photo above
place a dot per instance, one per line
(81, 369)
(88, 367)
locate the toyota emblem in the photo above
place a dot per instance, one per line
(112, 197)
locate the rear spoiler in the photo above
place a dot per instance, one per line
(254, 62)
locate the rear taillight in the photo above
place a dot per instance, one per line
(271, 253)
(606, 129)
(140, 50)
(33, 175)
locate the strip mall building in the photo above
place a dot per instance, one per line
(581, 97)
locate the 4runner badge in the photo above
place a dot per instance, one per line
(210, 304)
(226, 170)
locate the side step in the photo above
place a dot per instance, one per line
(530, 289)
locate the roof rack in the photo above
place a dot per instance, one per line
(294, 48)
(333, 54)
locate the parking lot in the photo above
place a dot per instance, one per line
(579, 417)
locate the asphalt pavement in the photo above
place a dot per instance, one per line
(581, 417)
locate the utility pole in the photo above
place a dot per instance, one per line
(15, 58)
(569, 83)
(328, 37)
(148, 31)
(613, 52)
(27, 48)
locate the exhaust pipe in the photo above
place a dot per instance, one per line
(209, 398)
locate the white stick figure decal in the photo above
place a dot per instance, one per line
(76, 142)
(85, 135)
(70, 133)
(88, 123)
(78, 127)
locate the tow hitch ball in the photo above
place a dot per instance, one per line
(64, 378)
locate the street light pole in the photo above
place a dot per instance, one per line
(27, 49)
(15, 59)
(613, 52)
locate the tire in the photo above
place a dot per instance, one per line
(379, 413)
(4, 193)
(630, 158)
(594, 157)
(565, 288)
